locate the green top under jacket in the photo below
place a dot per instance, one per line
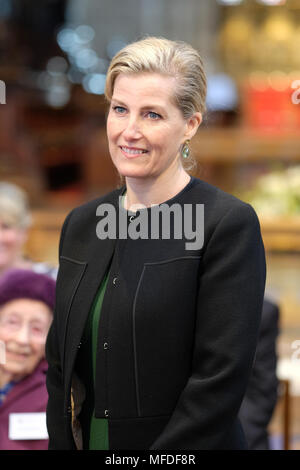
(94, 430)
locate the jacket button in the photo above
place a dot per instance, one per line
(115, 281)
(131, 218)
(106, 413)
(79, 345)
(105, 346)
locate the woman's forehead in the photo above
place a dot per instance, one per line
(25, 308)
(151, 86)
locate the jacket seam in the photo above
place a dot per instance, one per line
(133, 418)
(134, 345)
(73, 260)
(68, 314)
(171, 260)
(133, 322)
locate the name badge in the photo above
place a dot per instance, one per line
(27, 426)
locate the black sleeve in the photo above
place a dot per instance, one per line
(56, 422)
(230, 296)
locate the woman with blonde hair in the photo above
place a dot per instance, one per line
(153, 335)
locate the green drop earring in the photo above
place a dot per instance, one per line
(185, 152)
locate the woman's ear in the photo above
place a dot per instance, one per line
(192, 125)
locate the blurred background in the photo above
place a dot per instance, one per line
(54, 56)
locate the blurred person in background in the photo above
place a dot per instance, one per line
(262, 391)
(152, 342)
(26, 311)
(15, 221)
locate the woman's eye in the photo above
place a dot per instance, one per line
(37, 330)
(10, 322)
(153, 115)
(119, 109)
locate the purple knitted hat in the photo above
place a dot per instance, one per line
(25, 284)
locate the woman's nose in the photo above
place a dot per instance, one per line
(22, 335)
(132, 129)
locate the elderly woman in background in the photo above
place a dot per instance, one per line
(26, 311)
(15, 221)
(153, 337)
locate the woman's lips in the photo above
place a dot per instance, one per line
(132, 152)
(16, 355)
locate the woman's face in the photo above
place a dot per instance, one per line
(24, 325)
(145, 128)
(12, 240)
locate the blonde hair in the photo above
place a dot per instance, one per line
(171, 58)
(14, 206)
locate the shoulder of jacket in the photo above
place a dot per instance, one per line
(218, 201)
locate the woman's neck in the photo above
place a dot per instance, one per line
(143, 192)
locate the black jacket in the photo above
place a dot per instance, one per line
(181, 327)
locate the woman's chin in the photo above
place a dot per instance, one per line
(133, 172)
